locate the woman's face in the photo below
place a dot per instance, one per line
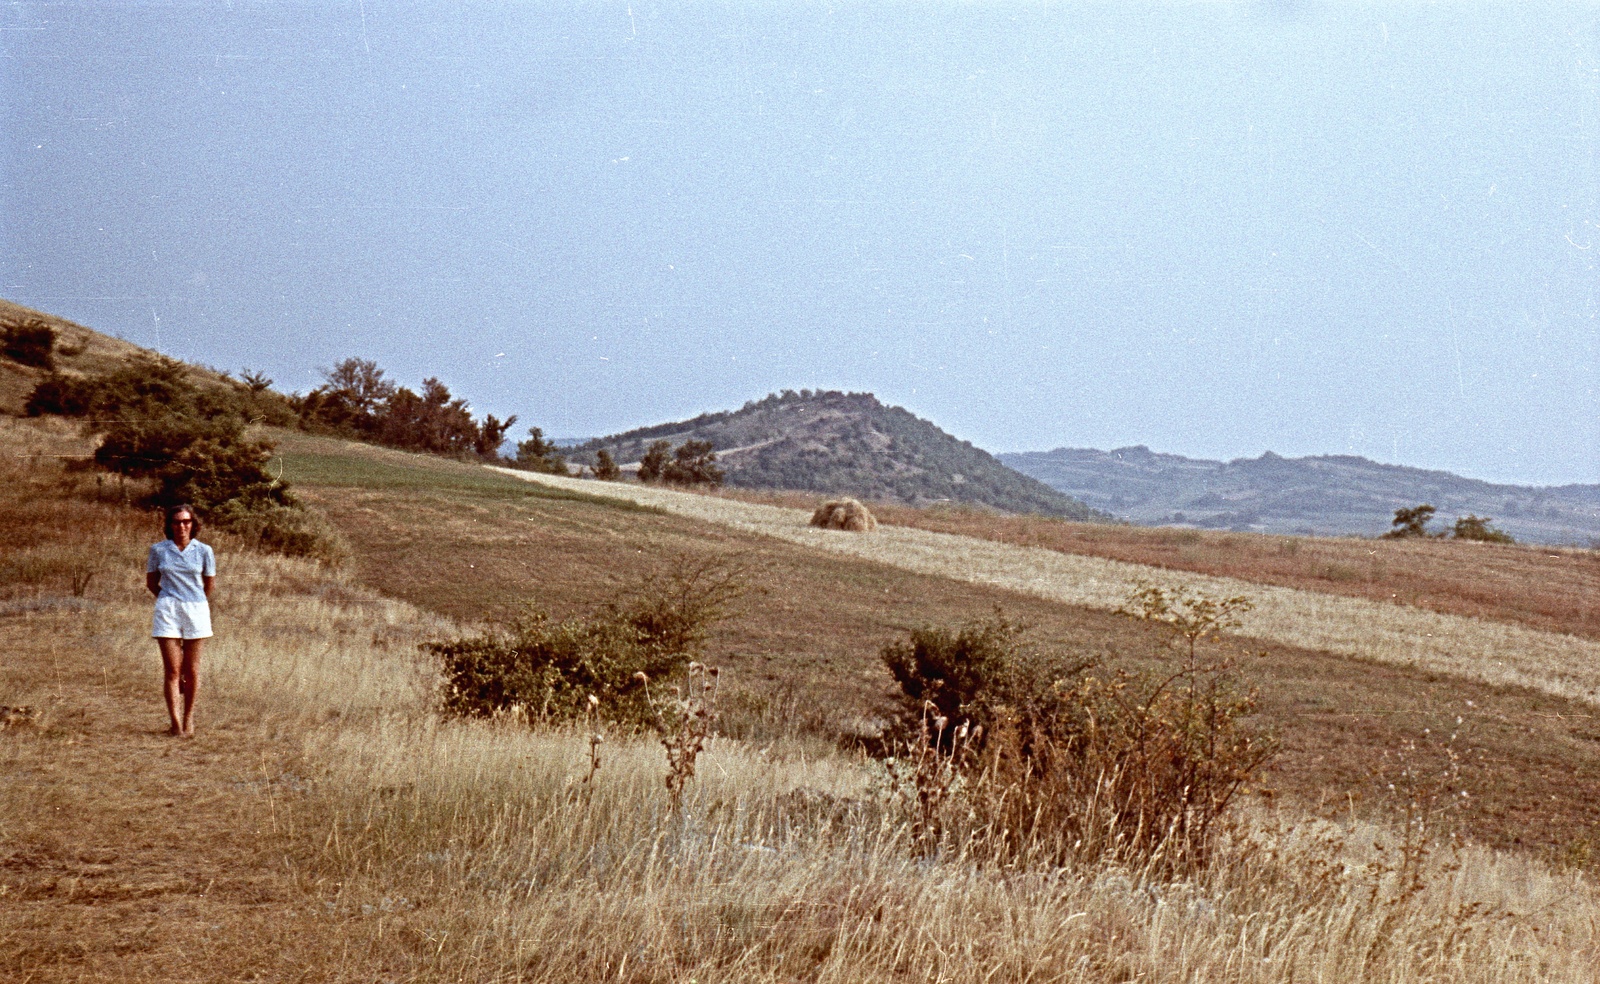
(182, 527)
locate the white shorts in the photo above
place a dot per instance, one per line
(181, 619)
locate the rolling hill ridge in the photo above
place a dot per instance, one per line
(1330, 495)
(848, 443)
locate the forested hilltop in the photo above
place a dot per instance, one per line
(847, 443)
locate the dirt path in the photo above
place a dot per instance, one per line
(1490, 652)
(128, 855)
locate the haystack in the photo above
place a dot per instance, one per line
(844, 514)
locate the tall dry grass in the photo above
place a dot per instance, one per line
(474, 851)
(477, 852)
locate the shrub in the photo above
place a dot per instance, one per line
(959, 672)
(58, 395)
(1470, 527)
(491, 434)
(434, 422)
(1410, 523)
(694, 463)
(550, 669)
(540, 455)
(1132, 767)
(1060, 762)
(653, 466)
(190, 442)
(605, 468)
(350, 399)
(203, 462)
(261, 403)
(31, 343)
(144, 386)
(255, 381)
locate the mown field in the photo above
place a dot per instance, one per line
(327, 825)
(1556, 589)
(472, 545)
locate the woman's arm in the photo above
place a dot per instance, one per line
(152, 581)
(209, 581)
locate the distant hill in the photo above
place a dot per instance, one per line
(847, 444)
(1330, 495)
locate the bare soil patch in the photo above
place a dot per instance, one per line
(129, 855)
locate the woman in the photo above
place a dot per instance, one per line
(181, 572)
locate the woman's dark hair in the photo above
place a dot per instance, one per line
(172, 513)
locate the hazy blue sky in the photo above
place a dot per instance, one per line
(1212, 228)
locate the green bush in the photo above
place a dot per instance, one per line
(31, 343)
(653, 465)
(540, 455)
(1411, 524)
(261, 403)
(605, 469)
(960, 673)
(1470, 527)
(190, 442)
(694, 463)
(206, 463)
(1057, 762)
(549, 670)
(144, 386)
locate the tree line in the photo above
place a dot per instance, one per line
(1412, 524)
(183, 439)
(182, 442)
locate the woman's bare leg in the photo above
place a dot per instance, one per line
(189, 682)
(172, 680)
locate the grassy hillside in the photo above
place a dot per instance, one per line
(325, 825)
(848, 444)
(1554, 589)
(78, 350)
(1548, 588)
(473, 550)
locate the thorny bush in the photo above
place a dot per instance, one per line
(1067, 761)
(548, 670)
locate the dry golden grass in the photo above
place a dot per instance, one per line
(327, 826)
(410, 849)
(1500, 654)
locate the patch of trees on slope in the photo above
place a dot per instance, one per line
(846, 443)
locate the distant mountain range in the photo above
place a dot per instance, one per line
(1328, 495)
(847, 444)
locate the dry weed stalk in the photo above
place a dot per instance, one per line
(935, 774)
(1426, 796)
(596, 739)
(686, 722)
